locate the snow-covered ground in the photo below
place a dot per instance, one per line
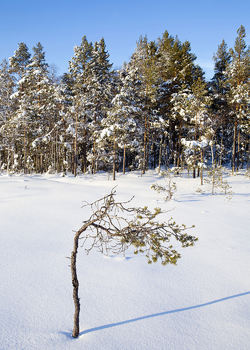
(202, 303)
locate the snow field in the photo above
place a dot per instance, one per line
(202, 303)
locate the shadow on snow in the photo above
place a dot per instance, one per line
(110, 325)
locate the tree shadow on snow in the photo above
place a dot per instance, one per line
(110, 325)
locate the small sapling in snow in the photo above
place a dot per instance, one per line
(168, 189)
(215, 178)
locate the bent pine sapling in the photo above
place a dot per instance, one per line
(113, 227)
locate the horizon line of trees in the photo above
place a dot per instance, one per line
(157, 110)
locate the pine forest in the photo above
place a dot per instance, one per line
(157, 111)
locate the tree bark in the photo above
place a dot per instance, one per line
(238, 150)
(25, 150)
(221, 148)
(93, 167)
(75, 284)
(194, 172)
(159, 164)
(201, 172)
(75, 146)
(114, 158)
(234, 147)
(124, 159)
(145, 143)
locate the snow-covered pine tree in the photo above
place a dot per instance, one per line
(6, 111)
(221, 114)
(100, 90)
(144, 59)
(238, 95)
(45, 110)
(36, 113)
(177, 72)
(20, 60)
(121, 133)
(63, 126)
(79, 113)
(194, 107)
(181, 114)
(18, 66)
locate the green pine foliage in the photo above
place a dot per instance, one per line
(157, 111)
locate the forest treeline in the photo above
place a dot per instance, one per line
(157, 110)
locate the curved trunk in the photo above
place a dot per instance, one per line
(75, 284)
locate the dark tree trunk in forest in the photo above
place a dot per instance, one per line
(25, 150)
(159, 164)
(145, 144)
(93, 167)
(124, 159)
(84, 165)
(221, 151)
(194, 172)
(75, 147)
(238, 150)
(201, 171)
(234, 147)
(114, 158)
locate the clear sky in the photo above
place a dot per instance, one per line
(60, 24)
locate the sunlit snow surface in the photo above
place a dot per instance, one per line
(126, 304)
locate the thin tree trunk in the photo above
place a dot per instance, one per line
(25, 149)
(41, 163)
(37, 162)
(114, 158)
(238, 151)
(234, 147)
(194, 172)
(93, 160)
(75, 281)
(8, 161)
(213, 180)
(145, 145)
(178, 150)
(159, 164)
(84, 161)
(212, 153)
(221, 148)
(124, 159)
(75, 284)
(56, 153)
(75, 146)
(201, 171)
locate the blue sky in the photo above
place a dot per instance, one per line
(60, 24)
